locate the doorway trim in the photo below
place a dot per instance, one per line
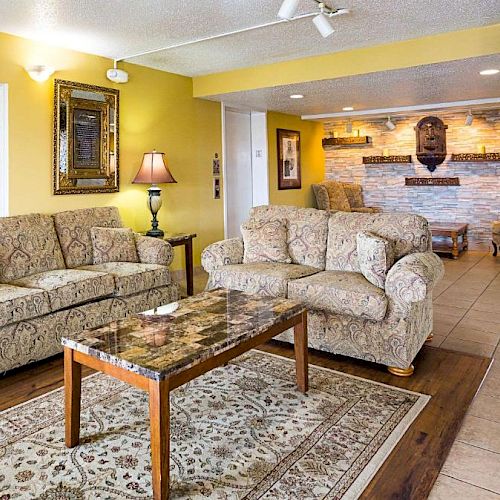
(4, 150)
(258, 156)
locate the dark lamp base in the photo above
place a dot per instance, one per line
(155, 233)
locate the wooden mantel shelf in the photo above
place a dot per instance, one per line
(363, 140)
(475, 157)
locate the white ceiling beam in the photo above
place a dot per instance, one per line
(404, 109)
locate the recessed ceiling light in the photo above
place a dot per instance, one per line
(487, 72)
(348, 108)
(296, 96)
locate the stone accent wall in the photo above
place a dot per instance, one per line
(476, 200)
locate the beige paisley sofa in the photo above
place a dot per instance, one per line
(347, 314)
(49, 286)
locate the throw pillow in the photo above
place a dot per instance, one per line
(113, 245)
(338, 198)
(265, 241)
(375, 257)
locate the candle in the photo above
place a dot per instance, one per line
(481, 149)
(385, 152)
(335, 134)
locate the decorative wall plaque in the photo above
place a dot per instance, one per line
(387, 159)
(475, 157)
(432, 181)
(347, 141)
(431, 141)
(86, 127)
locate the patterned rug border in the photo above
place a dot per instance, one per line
(369, 470)
(373, 466)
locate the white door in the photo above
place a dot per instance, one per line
(237, 169)
(4, 152)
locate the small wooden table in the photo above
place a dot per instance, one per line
(160, 350)
(453, 230)
(185, 239)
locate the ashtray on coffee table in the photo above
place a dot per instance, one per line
(162, 349)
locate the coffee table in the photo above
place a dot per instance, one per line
(162, 349)
(452, 230)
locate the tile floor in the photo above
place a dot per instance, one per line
(467, 318)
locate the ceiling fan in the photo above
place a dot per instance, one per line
(289, 8)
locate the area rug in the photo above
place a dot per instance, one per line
(242, 431)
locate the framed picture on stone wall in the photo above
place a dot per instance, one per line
(289, 176)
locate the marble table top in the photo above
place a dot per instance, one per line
(165, 341)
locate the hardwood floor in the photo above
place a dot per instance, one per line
(451, 378)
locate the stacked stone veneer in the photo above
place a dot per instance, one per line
(476, 200)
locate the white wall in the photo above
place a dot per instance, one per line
(237, 170)
(260, 172)
(4, 151)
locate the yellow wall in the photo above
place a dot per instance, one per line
(312, 159)
(157, 111)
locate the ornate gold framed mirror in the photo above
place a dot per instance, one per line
(86, 139)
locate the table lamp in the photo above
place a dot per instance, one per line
(154, 171)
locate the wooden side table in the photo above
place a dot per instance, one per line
(185, 239)
(453, 230)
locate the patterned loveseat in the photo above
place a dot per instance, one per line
(49, 285)
(346, 313)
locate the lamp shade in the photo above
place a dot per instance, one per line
(153, 170)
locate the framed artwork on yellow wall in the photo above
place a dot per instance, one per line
(289, 176)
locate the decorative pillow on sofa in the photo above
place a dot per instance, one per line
(375, 257)
(265, 241)
(113, 245)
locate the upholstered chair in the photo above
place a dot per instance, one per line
(341, 196)
(495, 236)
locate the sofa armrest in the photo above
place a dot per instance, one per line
(153, 250)
(412, 278)
(222, 253)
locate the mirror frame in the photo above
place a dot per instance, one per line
(63, 182)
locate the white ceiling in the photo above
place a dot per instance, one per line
(118, 28)
(429, 84)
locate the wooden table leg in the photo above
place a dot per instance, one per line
(72, 393)
(465, 240)
(188, 252)
(301, 352)
(159, 416)
(454, 250)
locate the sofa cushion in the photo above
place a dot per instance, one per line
(337, 195)
(265, 241)
(340, 292)
(409, 233)
(354, 193)
(73, 229)
(268, 278)
(131, 277)
(28, 245)
(307, 231)
(376, 256)
(113, 244)
(19, 303)
(69, 287)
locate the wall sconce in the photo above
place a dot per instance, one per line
(40, 72)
